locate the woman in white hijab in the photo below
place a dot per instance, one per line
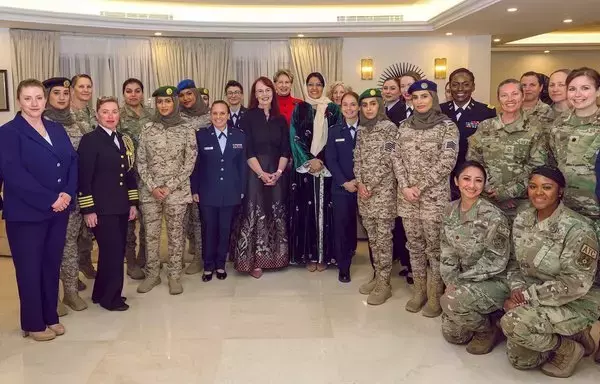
(310, 226)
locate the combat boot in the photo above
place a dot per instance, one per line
(367, 287)
(75, 302)
(483, 342)
(566, 356)
(381, 292)
(585, 339)
(193, 268)
(419, 297)
(149, 283)
(135, 272)
(435, 290)
(175, 287)
(88, 270)
(62, 309)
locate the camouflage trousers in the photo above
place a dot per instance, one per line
(536, 329)
(174, 214)
(379, 232)
(69, 267)
(423, 243)
(130, 254)
(85, 244)
(467, 309)
(193, 230)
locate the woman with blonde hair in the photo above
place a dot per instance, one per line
(337, 90)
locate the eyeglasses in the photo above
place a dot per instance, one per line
(314, 85)
(267, 91)
(234, 93)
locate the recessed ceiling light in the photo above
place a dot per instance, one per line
(512, 9)
(300, 35)
(567, 21)
(546, 51)
(448, 33)
(497, 40)
(157, 33)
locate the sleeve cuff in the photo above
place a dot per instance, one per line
(133, 194)
(85, 202)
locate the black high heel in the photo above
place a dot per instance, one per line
(207, 277)
(221, 275)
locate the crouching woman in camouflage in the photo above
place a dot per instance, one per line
(552, 302)
(475, 245)
(426, 148)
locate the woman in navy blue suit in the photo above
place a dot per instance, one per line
(39, 166)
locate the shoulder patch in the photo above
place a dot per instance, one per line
(389, 146)
(504, 230)
(449, 144)
(587, 257)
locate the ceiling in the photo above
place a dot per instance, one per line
(469, 17)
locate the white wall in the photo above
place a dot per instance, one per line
(5, 63)
(473, 53)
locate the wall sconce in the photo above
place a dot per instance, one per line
(366, 69)
(440, 68)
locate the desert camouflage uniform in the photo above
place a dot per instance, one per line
(373, 168)
(554, 263)
(424, 158)
(131, 124)
(86, 120)
(475, 251)
(509, 152)
(166, 158)
(192, 213)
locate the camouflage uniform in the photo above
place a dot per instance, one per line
(192, 213)
(542, 112)
(475, 251)
(509, 153)
(166, 157)
(131, 124)
(373, 168)
(554, 262)
(424, 158)
(86, 120)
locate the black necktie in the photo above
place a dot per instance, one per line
(409, 112)
(222, 135)
(113, 137)
(234, 118)
(353, 132)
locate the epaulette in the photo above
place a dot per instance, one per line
(490, 106)
(129, 151)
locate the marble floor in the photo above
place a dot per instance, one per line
(289, 327)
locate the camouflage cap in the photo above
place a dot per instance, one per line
(165, 91)
(371, 92)
(57, 82)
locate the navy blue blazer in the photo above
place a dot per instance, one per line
(1, 182)
(241, 114)
(339, 157)
(34, 171)
(220, 178)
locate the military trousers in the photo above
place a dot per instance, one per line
(467, 309)
(423, 243)
(537, 328)
(85, 244)
(194, 230)
(130, 254)
(380, 236)
(174, 214)
(69, 267)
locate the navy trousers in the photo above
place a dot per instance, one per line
(216, 231)
(111, 236)
(37, 249)
(344, 229)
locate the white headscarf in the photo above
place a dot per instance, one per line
(320, 125)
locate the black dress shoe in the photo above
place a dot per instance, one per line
(409, 280)
(207, 277)
(81, 285)
(221, 275)
(344, 277)
(123, 298)
(118, 308)
(403, 272)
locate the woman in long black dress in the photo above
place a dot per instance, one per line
(262, 240)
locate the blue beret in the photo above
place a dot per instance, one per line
(185, 84)
(423, 85)
(57, 82)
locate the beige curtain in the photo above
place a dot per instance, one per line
(206, 61)
(316, 55)
(34, 54)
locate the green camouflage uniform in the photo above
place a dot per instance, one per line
(475, 251)
(373, 168)
(131, 124)
(554, 263)
(541, 112)
(86, 120)
(425, 158)
(166, 157)
(509, 152)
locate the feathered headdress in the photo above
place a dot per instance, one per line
(398, 70)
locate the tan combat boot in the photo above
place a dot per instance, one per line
(175, 287)
(483, 342)
(381, 292)
(566, 356)
(367, 287)
(75, 302)
(193, 268)
(45, 335)
(135, 272)
(61, 309)
(419, 297)
(585, 339)
(149, 283)
(435, 290)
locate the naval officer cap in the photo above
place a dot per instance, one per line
(56, 82)
(371, 92)
(423, 85)
(165, 91)
(186, 84)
